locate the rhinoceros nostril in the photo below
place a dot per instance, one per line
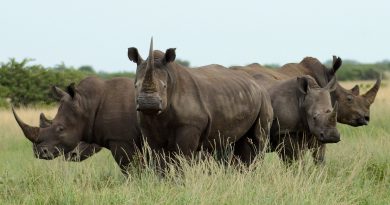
(367, 118)
(322, 136)
(74, 155)
(44, 150)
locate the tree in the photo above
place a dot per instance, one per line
(86, 68)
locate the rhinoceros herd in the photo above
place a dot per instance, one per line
(180, 110)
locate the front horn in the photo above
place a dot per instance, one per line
(31, 133)
(371, 94)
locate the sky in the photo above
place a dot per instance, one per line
(98, 33)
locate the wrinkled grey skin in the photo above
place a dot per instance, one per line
(354, 109)
(80, 153)
(97, 112)
(185, 110)
(301, 108)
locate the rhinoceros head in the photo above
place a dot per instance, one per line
(63, 133)
(152, 79)
(316, 106)
(354, 109)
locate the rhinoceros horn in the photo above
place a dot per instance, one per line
(371, 94)
(355, 90)
(333, 115)
(30, 132)
(331, 86)
(334, 112)
(148, 83)
(43, 121)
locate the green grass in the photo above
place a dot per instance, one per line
(357, 172)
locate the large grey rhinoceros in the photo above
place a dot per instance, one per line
(303, 116)
(183, 110)
(97, 113)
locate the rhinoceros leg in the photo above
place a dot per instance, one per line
(123, 153)
(256, 142)
(245, 150)
(187, 140)
(318, 154)
(290, 149)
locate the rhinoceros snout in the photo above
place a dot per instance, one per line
(331, 137)
(44, 153)
(149, 104)
(363, 120)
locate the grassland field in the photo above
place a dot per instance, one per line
(357, 172)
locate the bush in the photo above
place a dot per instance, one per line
(353, 70)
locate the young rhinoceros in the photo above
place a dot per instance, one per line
(96, 113)
(303, 115)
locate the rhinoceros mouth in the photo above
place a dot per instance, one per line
(150, 105)
(43, 153)
(363, 121)
(329, 139)
(358, 122)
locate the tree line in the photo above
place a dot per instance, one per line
(25, 84)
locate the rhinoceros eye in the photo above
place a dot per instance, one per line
(349, 98)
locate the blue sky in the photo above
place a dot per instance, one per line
(98, 33)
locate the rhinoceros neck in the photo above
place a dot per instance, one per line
(287, 102)
(91, 93)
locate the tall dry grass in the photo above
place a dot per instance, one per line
(357, 172)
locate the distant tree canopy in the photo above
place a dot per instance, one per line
(353, 70)
(183, 62)
(23, 83)
(86, 68)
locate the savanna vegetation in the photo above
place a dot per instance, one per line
(357, 172)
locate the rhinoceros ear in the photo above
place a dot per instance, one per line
(170, 55)
(336, 64)
(71, 90)
(133, 55)
(58, 93)
(355, 90)
(303, 85)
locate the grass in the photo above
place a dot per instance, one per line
(357, 172)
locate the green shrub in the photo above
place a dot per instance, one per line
(25, 84)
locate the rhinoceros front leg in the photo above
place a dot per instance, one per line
(123, 153)
(187, 140)
(290, 149)
(82, 151)
(318, 154)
